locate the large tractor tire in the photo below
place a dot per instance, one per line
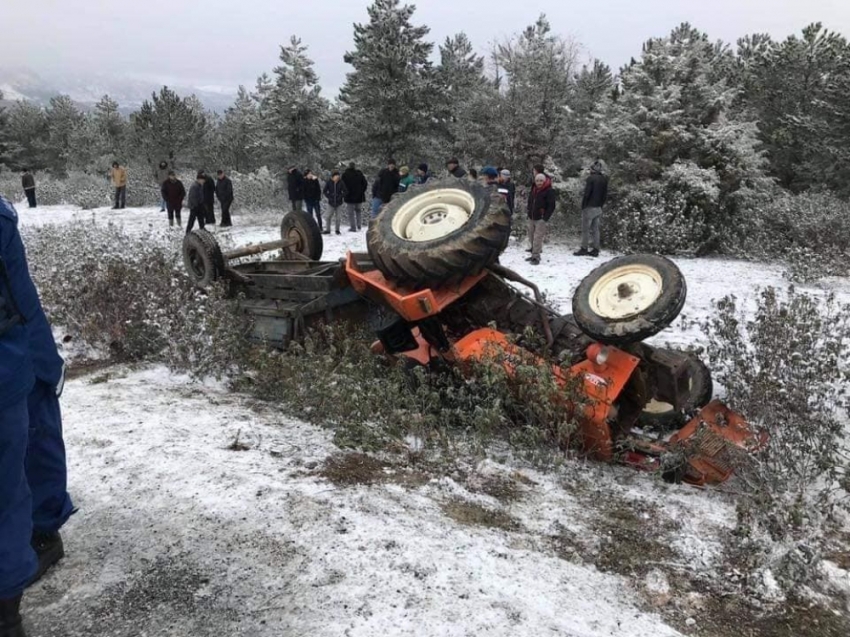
(629, 299)
(307, 234)
(202, 258)
(662, 417)
(439, 233)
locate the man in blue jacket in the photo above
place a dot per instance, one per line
(34, 502)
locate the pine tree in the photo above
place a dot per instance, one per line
(538, 74)
(293, 106)
(465, 96)
(240, 140)
(389, 97)
(4, 134)
(28, 136)
(169, 127)
(110, 126)
(63, 122)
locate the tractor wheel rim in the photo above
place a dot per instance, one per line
(433, 215)
(295, 235)
(626, 291)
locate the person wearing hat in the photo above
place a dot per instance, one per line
(595, 196)
(422, 174)
(541, 206)
(295, 187)
(313, 195)
(195, 201)
(490, 175)
(455, 169)
(407, 180)
(507, 188)
(209, 199)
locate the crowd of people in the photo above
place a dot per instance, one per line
(345, 193)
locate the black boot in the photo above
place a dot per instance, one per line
(593, 253)
(11, 624)
(49, 548)
(581, 253)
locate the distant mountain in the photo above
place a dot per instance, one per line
(87, 89)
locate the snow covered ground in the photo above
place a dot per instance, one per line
(203, 513)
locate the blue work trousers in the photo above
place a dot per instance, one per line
(33, 483)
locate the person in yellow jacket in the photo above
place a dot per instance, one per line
(119, 180)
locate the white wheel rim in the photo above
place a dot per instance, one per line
(626, 291)
(433, 215)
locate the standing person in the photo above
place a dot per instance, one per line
(209, 199)
(28, 182)
(356, 186)
(422, 174)
(507, 188)
(34, 501)
(313, 195)
(295, 185)
(336, 192)
(119, 181)
(595, 196)
(388, 181)
(454, 168)
(376, 198)
(541, 205)
(195, 202)
(406, 180)
(161, 175)
(490, 176)
(224, 193)
(173, 192)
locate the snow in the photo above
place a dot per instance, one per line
(178, 534)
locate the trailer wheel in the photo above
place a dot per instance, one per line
(439, 233)
(307, 234)
(661, 417)
(202, 258)
(629, 299)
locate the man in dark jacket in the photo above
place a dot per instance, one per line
(454, 168)
(209, 199)
(34, 501)
(388, 181)
(197, 210)
(541, 206)
(28, 182)
(173, 192)
(336, 192)
(356, 186)
(595, 195)
(161, 175)
(224, 193)
(313, 195)
(295, 185)
(422, 174)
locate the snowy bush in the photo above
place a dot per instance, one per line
(259, 190)
(128, 296)
(788, 371)
(811, 231)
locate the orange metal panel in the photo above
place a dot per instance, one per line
(411, 305)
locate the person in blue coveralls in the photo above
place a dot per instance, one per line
(34, 502)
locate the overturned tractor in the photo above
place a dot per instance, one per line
(432, 278)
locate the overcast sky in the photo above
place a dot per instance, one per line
(233, 41)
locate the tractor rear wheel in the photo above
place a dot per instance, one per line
(439, 233)
(202, 258)
(662, 417)
(629, 299)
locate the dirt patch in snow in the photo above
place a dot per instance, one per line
(473, 514)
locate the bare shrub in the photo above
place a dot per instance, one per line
(786, 370)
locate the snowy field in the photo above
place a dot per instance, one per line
(203, 513)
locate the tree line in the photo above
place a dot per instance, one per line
(707, 121)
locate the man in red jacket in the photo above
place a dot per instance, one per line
(541, 206)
